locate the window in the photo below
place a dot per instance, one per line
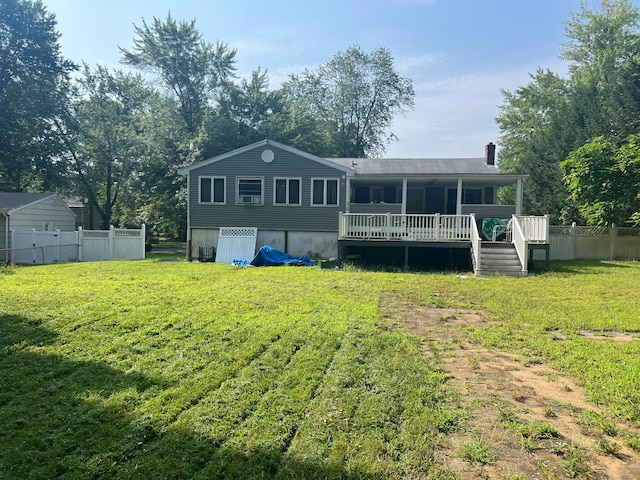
(212, 190)
(249, 190)
(287, 191)
(324, 191)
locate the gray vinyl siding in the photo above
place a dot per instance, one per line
(50, 210)
(266, 216)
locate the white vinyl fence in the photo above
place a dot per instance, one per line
(35, 247)
(576, 242)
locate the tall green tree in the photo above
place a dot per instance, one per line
(354, 97)
(102, 135)
(189, 67)
(34, 79)
(249, 111)
(544, 121)
(160, 194)
(604, 181)
(536, 122)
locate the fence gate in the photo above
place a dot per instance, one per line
(36, 247)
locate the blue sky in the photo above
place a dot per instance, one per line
(459, 53)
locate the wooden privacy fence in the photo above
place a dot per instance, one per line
(36, 247)
(574, 242)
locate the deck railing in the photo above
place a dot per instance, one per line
(519, 240)
(409, 227)
(431, 227)
(535, 228)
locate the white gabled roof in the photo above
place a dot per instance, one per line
(265, 143)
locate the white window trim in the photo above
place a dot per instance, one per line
(213, 181)
(249, 177)
(287, 204)
(324, 192)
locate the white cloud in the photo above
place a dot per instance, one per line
(455, 116)
(412, 62)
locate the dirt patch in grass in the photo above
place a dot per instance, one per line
(615, 336)
(537, 423)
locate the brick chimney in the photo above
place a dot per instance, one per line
(490, 153)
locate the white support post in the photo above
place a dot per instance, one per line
(57, 237)
(13, 242)
(112, 243)
(403, 208)
(613, 233)
(519, 197)
(33, 245)
(459, 198)
(79, 243)
(347, 201)
(143, 240)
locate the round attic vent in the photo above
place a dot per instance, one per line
(267, 156)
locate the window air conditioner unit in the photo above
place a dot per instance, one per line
(250, 199)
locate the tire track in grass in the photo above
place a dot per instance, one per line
(322, 439)
(316, 388)
(376, 419)
(259, 444)
(362, 420)
(189, 392)
(221, 411)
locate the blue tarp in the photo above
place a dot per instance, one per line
(268, 257)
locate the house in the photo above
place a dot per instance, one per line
(32, 211)
(302, 203)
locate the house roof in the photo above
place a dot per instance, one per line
(476, 168)
(417, 166)
(10, 201)
(265, 143)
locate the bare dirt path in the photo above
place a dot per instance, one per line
(503, 394)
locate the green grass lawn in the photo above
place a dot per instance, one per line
(184, 370)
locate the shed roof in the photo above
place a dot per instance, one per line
(12, 201)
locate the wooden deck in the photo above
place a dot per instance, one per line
(439, 231)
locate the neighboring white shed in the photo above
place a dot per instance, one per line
(27, 211)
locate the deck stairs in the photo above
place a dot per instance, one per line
(500, 258)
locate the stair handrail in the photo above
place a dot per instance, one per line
(520, 243)
(476, 243)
